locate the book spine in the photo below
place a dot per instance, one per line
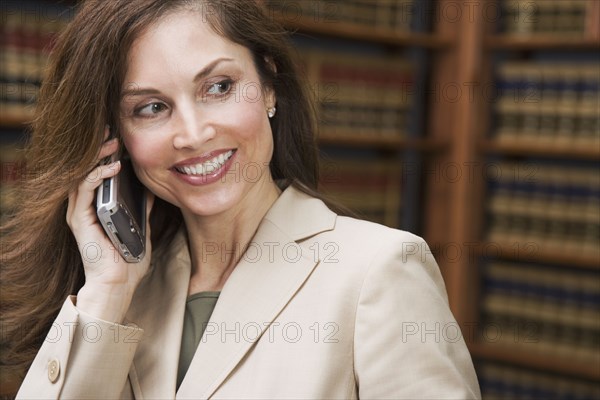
(551, 206)
(500, 381)
(550, 310)
(550, 103)
(371, 188)
(527, 18)
(382, 15)
(12, 171)
(366, 97)
(24, 49)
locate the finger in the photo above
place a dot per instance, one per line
(70, 205)
(87, 187)
(101, 172)
(108, 148)
(106, 132)
(149, 204)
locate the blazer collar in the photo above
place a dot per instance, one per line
(260, 286)
(300, 215)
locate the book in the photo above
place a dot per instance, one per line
(360, 96)
(547, 103)
(382, 15)
(24, 48)
(368, 187)
(540, 308)
(501, 381)
(547, 205)
(12, 169)
(527, 18)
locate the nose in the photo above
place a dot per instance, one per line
(193, 128)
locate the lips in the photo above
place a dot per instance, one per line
(207, 169)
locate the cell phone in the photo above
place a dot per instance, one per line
(121, 210)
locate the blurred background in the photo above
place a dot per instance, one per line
(474, 124)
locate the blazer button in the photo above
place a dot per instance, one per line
(53, 370)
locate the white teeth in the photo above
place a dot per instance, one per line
(208, 166)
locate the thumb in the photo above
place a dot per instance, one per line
(149, 204)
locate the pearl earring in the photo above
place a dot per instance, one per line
(271, 112)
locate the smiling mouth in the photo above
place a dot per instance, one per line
(208, 167)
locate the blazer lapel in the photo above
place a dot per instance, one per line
(158, 308)
(269, 274)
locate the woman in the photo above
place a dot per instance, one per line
(309, 304)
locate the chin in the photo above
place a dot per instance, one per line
(209, 204)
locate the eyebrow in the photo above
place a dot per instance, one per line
(200, 75)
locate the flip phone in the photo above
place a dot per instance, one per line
(121, 210)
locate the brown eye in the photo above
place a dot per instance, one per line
(151, 109)
(220, 88)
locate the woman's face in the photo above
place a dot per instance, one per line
(194, 117)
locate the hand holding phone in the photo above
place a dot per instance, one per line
(110, 281)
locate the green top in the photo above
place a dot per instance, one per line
(198, 310)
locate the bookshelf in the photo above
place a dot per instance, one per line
(385, 144)
(561, 151)
(15, 122)
(537, 361)
(515, 251)
(500, 42)
(379, 22)
(553, 136)
(338, 29)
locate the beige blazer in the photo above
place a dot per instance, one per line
(319, 307)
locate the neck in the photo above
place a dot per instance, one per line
(217, 242)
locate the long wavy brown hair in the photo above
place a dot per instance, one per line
(40, 263)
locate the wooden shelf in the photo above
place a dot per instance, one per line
(524, 148)
(522, 251)
(537, 360)
(14, 122)
(539, 42)
(381, 143)
(351, 31)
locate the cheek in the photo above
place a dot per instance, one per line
(143, 151)
(250, 122)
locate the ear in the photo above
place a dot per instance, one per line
(271, 64)
(270, 97)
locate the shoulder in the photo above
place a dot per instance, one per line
(375, 241)
(368, 254)
(352, 243)
(371, 232)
